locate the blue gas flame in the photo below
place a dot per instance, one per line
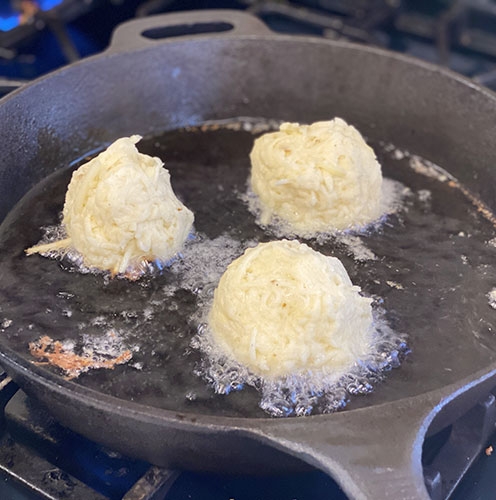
(9, 18)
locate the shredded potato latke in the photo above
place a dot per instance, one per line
(120, 210)
(283, 308)
(316, 178)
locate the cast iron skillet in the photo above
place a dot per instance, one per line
(144, 85)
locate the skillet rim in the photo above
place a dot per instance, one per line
(215, 423)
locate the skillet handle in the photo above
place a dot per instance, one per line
(373, 453)
(149, 31)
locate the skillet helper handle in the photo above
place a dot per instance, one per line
(372, 453)
(149, 31)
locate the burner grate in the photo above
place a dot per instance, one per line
(57, 463)
(459, 34)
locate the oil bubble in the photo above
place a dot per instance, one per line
(310, 391)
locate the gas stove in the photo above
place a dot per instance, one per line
(41, 459)
(37, 36)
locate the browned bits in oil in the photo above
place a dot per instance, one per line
(53, 352)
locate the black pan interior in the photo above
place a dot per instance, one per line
(433, 271)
